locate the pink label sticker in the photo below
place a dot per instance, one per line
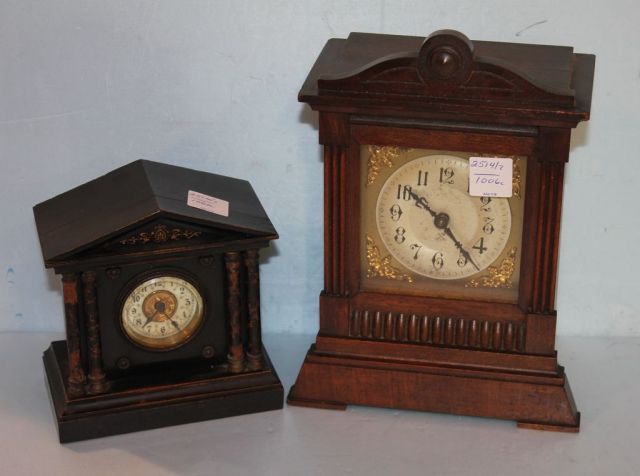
(490, 176)
(208, 203)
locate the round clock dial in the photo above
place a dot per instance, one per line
(162, 312)
(432, 226)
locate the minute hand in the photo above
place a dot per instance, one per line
(464, 252)
(441, 221)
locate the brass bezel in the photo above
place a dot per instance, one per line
(171, 342)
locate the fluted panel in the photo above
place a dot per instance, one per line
(506, 336)
(548, 224)
(334, 219)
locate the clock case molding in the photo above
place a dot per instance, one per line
(106, 236)
(444, 92)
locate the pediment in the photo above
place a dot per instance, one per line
(145, 205)
(161, 234)
(445, 67)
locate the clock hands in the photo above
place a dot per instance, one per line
(464, 252)
(173, 323)
(150, 319)
(161, 308)
(421, 202)
(441, 222)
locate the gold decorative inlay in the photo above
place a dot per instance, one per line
(160, 234)
(381, 156)
(499, 276)
(517, 179)
(381, 267)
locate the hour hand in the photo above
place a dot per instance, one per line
(421, 202)
(150, 319)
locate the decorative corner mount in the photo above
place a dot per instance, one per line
(499, 276)
(381, 156)
(380, 267)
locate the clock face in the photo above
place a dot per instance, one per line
(432, 226)
(421, 233)
(162, 313)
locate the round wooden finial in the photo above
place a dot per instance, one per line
(446, 55)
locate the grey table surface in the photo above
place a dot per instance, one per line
(604, 375)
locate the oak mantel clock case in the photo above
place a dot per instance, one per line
(436, 299)
(161, 301)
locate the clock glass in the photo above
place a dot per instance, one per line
(423, 233)
(162, 313)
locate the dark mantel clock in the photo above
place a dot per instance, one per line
(160, 276)
(437, 296)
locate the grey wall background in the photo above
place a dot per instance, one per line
(87, 86)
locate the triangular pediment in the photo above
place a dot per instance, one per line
(145, 205)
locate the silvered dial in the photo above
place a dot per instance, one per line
(162, 312)
(433, 227)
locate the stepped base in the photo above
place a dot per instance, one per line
(538, 400)
(126, 408)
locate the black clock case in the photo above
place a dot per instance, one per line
(109, 234)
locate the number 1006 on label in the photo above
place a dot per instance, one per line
(490, 176)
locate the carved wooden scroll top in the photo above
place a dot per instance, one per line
(445, 68)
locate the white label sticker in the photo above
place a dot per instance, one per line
(490, 176)
(208, 203)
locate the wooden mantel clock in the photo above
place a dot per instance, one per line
(435, 299)
(160, 275)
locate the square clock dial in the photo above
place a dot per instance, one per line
(422, 233)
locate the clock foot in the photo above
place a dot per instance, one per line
(302, 402)
(129, 406)
(547, 427)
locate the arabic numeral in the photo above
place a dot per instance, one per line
(399, 237)
(462, 260)
(446, 175)
(438, 260)
(404, 192)
(480, 246)
(417, 249)
(422, 178)
(485, 201)
(396, 212)
(488, 227)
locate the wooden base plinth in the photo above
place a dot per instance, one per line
(127, 408)
(540, 400)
